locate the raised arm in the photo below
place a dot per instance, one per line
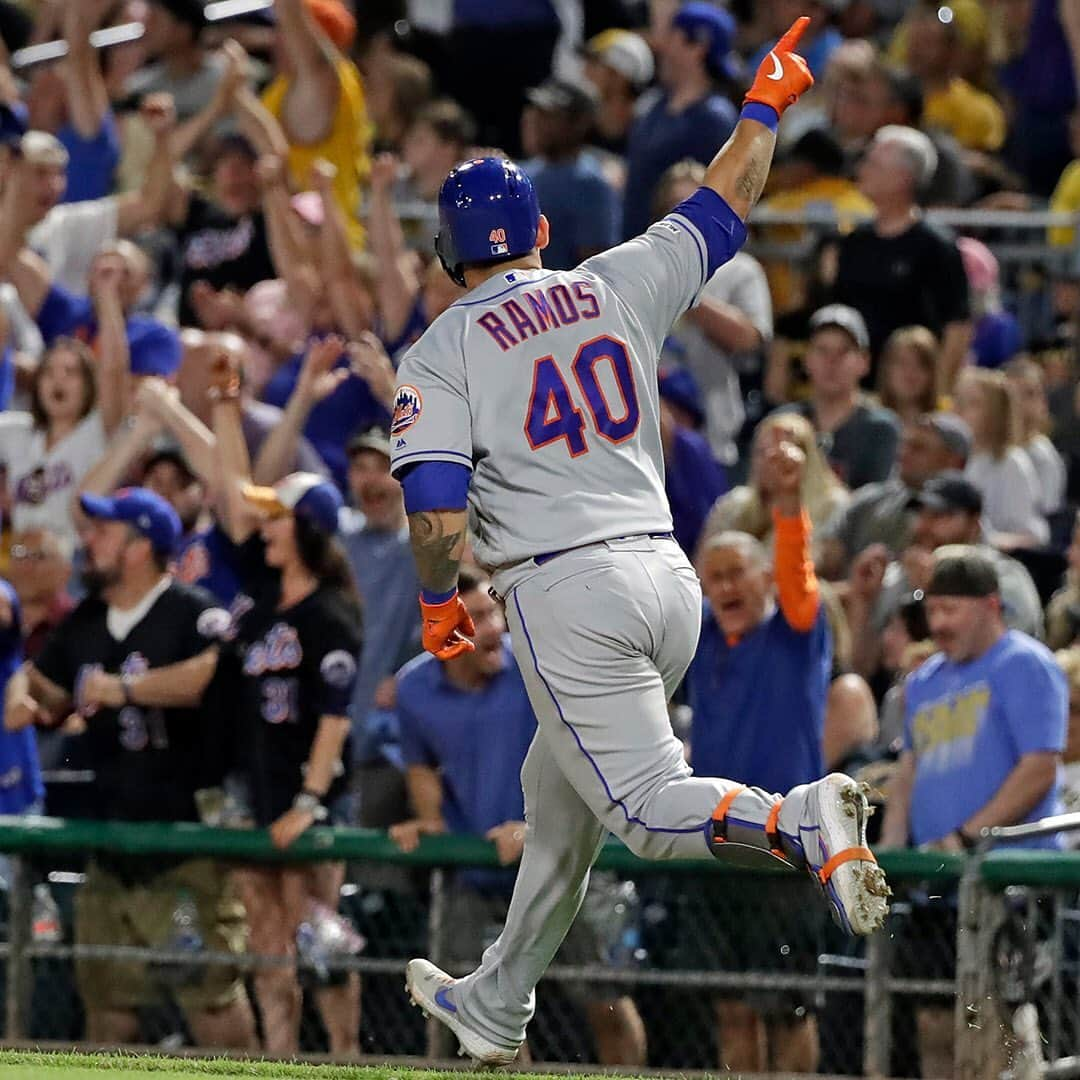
(160, 403)
(114, 356)
(335, 254)
(308, 110)
(286, 247)
(124, 451)
(145, 208)
(318, 379)
(796, 583)
(87, 94)
(398, 284)
(234, 465)
(192, 132)
(737, 173)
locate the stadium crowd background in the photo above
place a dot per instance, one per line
(215, 245)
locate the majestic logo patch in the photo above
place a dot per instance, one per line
(338, 668)
(408, 404)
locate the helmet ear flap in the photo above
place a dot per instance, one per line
(447, 257)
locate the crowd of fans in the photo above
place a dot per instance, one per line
(216, 243)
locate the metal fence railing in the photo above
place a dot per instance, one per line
(678, 939)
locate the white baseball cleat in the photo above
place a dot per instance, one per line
(833, 835)
(431, 989)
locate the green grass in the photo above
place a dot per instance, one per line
(19, 1065)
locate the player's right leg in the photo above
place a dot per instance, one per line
(602, 636)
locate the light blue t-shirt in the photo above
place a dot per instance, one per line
(969, 724)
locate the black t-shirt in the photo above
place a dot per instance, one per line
(221, 249)
(914, 279)
(148, 763)
(292, 667)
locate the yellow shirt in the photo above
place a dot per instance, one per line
(835, 194)
(347, 145)
(1065, 200)
(974, 119)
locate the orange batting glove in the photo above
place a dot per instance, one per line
(447, 627)
(783, 76)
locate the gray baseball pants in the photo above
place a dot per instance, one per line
(602, 634)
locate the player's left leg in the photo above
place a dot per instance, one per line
(602, 635)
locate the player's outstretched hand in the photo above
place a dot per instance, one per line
(783, 76)
(447, 628)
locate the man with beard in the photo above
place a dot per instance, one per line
(985, 720)
(148, 763)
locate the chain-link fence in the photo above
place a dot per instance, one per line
(162, 922)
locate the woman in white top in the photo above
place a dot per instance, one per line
(1029, 381)
(75, 403)
(1012, 495)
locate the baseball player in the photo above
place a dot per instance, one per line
(527, 415)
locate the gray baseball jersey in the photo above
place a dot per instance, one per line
(544, 383)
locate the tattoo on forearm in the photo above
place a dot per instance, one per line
(438, 539)
(751, 181)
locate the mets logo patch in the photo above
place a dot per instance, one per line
(408, 404)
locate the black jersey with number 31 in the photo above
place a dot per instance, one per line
(148, 762)
(290, 667)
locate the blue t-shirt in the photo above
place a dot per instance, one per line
(385, 572)
(581, 206)
(20, 773)
(477, 739)
(154, 347)
(659, 139)
(969, 724)
(694, 480)
(207, 558)
(91, 162)
(759, 705)
(349, 409)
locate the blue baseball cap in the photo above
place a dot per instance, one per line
(146, 512)
(712, 26)
(679, 387)
(302, 494)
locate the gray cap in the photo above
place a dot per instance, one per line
(952, 430)
(844, 317)
(625, 52)
(374, 439)
(963, 570)
(560, 95)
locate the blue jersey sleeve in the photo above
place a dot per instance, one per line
(435, 485)
(720, 227)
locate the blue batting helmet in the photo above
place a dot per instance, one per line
(488, 211)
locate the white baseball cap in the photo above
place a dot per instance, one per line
(625, 52)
